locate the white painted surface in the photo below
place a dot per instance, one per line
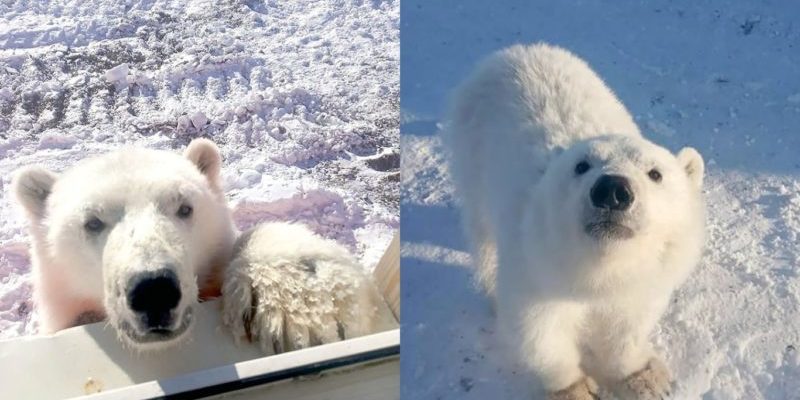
(360, 378)
(82, 360)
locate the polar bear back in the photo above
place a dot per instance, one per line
(543, 91)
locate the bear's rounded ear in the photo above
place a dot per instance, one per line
(204, 154)
(692, 163)
(32, 186)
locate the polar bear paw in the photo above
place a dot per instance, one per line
(584, 389)
(288, 289)
(651, 383)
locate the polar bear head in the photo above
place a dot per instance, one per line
(617, 199)
(138, 233)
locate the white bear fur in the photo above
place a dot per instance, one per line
(288, 289)
(135, 192)
(79, 277)
(574, 306)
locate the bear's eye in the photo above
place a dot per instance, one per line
(582, 167)
(94, 225)
(184, 211)
(654, 175)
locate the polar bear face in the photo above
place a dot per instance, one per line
(617, 196)
(137, 231)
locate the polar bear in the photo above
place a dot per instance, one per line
(579, 227)
(139, 236)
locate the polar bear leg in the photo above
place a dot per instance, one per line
(53, 318)
(58, 307)
(624, 350)
(288, 289)
(621, 354)
(482, 248)
(550, 345)
(266, 303)
(52, 315)
(239, 303)
(625, 358)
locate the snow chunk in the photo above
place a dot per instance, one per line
(183, 123)
(199, 120)
(251, 176)
(6, 94)
(118, 73)
(56, 141)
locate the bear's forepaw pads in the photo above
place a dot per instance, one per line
(651, 383)
(585, 389)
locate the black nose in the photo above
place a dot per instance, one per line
(612, 192)
(153, 295)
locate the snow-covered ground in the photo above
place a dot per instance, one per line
(302, 97)
(723, 77)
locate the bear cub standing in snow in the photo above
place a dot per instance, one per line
(139, 236)
(579, 227)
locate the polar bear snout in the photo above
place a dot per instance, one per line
(612, 192)
(154, 309)
(153, 297)
(611, 215)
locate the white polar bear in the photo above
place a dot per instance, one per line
(140, 236)
(579, 226)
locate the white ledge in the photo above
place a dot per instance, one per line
(83, 360)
